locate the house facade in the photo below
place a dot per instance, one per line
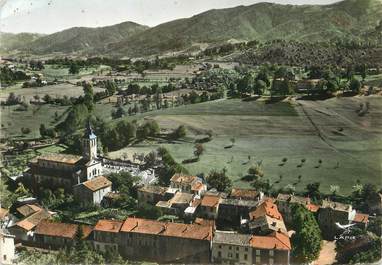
(92, 192)
(7, 247)
(106, 234)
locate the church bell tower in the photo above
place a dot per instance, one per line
(89, 143)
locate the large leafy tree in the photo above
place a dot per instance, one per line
(306, 241)
(219, 180)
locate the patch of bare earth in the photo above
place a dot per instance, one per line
(327, 254)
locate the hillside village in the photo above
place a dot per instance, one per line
(242, 226)
(243, 135)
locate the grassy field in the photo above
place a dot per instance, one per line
(271, 132)
(12, 121)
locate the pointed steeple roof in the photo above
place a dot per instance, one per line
(89, 133)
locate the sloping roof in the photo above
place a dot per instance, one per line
(61, 158)
(182, 198)
(153, 189)
(266, 208)
(3, 213)
(269, 222)
(336, 206)
(64, 230)
(180, 178)
(312, 207)
(231, 238)
(239, 202)
(210, 201)
(197, 186)
(108, 226)
(28, 209)
(25, 224)
(245, 194)
(276, 240)
(33, 220)
(144, 226)
(293, 199)
(97, 183)
(361, 218)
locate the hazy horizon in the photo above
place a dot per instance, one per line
(49, 16)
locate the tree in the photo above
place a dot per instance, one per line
(199, 149)
(355, 85)
(42, 130)
(88, 96)
(219, 180)
(306, 242)
(74, 68)
(179, 132)
(313, 191)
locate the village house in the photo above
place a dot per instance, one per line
(285, 204)
(209, 207)
(23, 229)
(331, 213)
(105, 235)
(234, 248)
(65, 171)
(151, 194)
(306, 85)
(91, 192)
(4, 217)
(246, 194)
(233, 211)
(7, 247)
(110, 199)
(190, 184)
(231, 248)
(52, 235)
(165, 242)
(266, 219)
(178, 204)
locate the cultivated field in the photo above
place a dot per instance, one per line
(271, 132)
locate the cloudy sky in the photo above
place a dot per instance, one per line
(48, 16)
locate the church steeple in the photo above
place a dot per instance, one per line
(89, 142)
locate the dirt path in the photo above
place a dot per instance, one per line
(327, 254)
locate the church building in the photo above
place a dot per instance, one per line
(65, 171)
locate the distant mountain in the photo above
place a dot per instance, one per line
(264, 22)
(349, 19)
(10, 41)
(84, 40)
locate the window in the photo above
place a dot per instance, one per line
(5, 257)
(237, 248)
(229, 247)
(271, 261)
(219, 254)
(257, 252)
(220, 246)
(257, 259)
(246, 249)
(237, 255)
(271, 253)
(229, 255)
(245, 256)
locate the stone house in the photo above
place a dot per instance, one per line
(7, 247)
(231, 248)
(234, 248)
(331, 213)
(178, 204)
(209, 207)
(151, 194)
(22, 229)
(164, 242)
(285, 204)
(232, 211)
(105, 235)
(92, 191)
(186, 183)
(52, 235)
(266, 219)
(4, 217)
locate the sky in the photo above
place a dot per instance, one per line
(49, 16)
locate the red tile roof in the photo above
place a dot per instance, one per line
(276, 240)
(47, 228)
(312, 207)
(244, 193)
(266, 208)
(28, 209)
(361, 218)
(210, 201)
(197, 186)
(180, 178)
(25, 224)
(97, 183)
(144, 226)
(108, 226)
(61, 158)
(33, 220)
